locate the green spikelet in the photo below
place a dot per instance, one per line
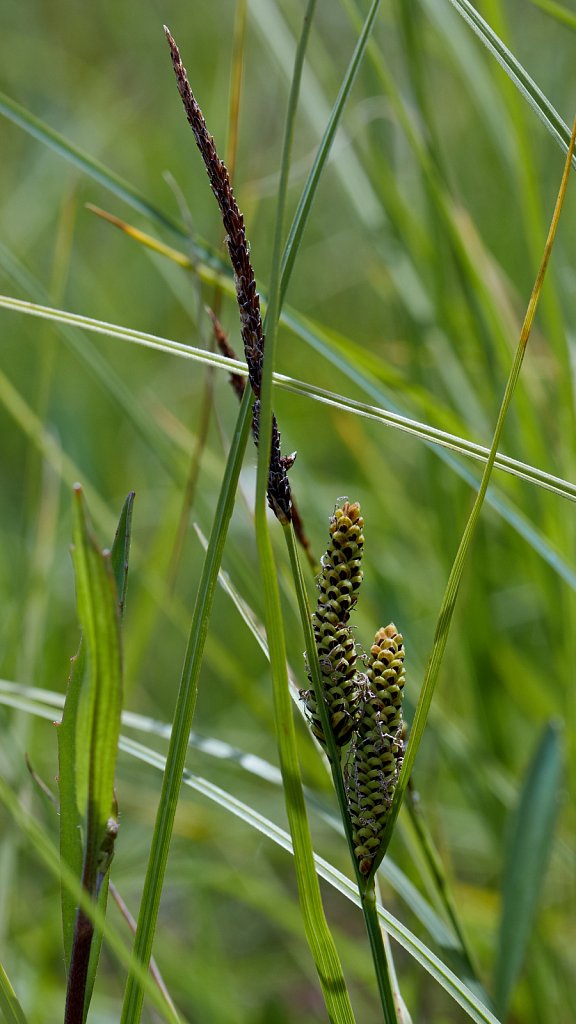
(376, 751)
(338, 584)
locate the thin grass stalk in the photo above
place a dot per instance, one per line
(438, 875)
(183, 714)
(366, 887)
(301, 215)
(430, 434)
(453, 584)
(317, 931)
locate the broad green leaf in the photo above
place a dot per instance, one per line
(47, 854)
(100, 703)
(90, 728)
(530, 838)
(119, 563)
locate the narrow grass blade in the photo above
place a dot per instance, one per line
(183, 715)
(45, 704)
(85, 163)
(70, 818)
(557, 11)
(527, 852)
(316, 927)
(305, 203)
(46, 852)
(9, 1005)
(530, 91)
(378, 413)
(452, 587)
(455, 988)
(121, 551)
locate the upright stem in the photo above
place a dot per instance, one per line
(366, 887)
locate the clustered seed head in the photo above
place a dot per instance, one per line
(364, 707)
(338, 584)
(377, 748)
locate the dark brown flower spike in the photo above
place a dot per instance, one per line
(238, 384)
(246, 294)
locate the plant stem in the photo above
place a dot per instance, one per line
(366, 887)
(379, 957)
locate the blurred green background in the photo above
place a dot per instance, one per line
(415, 270)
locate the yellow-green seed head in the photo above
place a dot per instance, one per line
(338, 583)
(377, 747)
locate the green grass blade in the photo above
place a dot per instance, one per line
(85, 163)
(98, 724)
(9, 1005)
(183, 715)
(527, 852)
(530, 91)
(88, 744)
(317, 931)
(70, 818)
(121, 551)
(305, 203)
(318, 934)
(452, 587)
(455, 988)
(383, 413)
(557, 11)
(45, 704)
(47, 853)
(119, 556)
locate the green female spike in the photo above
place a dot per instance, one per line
(376, 751)
(338, 584)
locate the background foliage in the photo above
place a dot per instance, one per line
(415, 269)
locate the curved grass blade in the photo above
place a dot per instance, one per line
(47, 853)
(64, 465)
(183, 715)
(530, 91)
(85, 163)
(527, 854)
(455, 988)
(9, 1005)
(45, 704)
(427, 433)
(452, 586)
(304, 205)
